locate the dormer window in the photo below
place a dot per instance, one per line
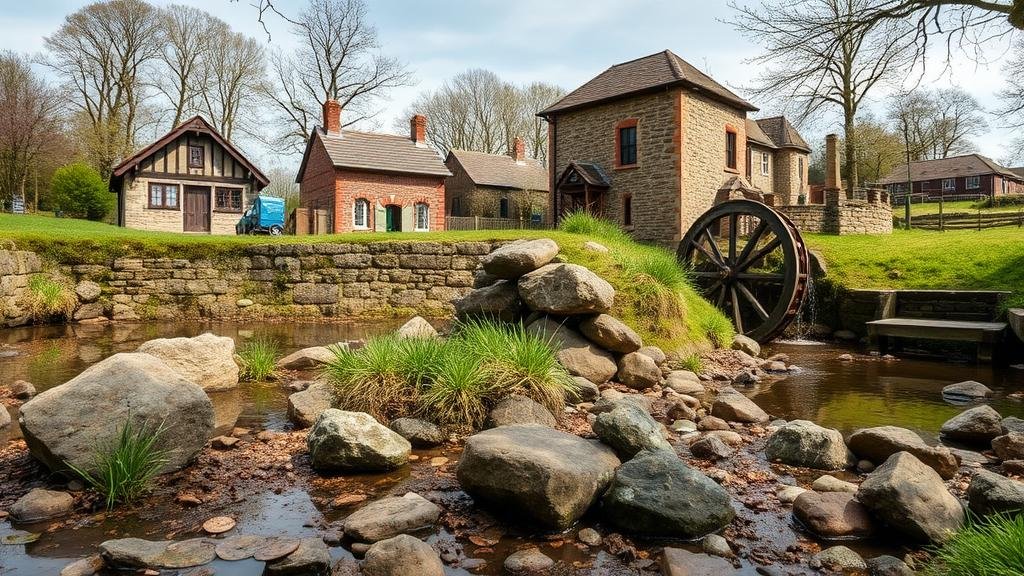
(195, 156)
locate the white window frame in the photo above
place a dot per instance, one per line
(973, 182)
(764, 164)
(366, 214)
(426, 212)
(952, 184)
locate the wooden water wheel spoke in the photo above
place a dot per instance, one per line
(714, 247)
(759, 277)
(733, 231)
(755, 237)
(760, 254)
(706, 274)
(753, 301)
(737, 315)
(721, 297)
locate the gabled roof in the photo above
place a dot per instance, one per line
(591, 173)
(501, 171)
(194, 124)
(375, 153)
(782, 133)
(657, 71)
(952, 167)
(756, 135)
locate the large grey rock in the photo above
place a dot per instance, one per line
(536, 472)
(65, 425)
(979, 425)
(990, 493)
(638, 371)
(746, 344)
(206, 360)
(1009, 446)
(566, 289)
(416, 327)
(833, 514)
(912, 499)
(583, 391)
(354, 441)
(389, 517)
(685, 382)
(579, 356)
(402, 555)
(307, 358)
(841, 559)
(306, 406)
(879, 443)
(126, 553)
(966, 391)
(628, 429)
(611, 334)
(804, 443)
(680, 562)
(311, 558)
(656, 494)
(518, 409)
(40, 504)
(517, 258)
(732, 406)
(499, 300)
(419, 433)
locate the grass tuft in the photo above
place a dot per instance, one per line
(259, 358)
(993, 547)
(693, 363)
(124, 469)
(459, 393)
(49, 297)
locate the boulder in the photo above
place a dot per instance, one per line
(416, 327)
(912, 499)
(657, 494)
(804, 443)
(732, 406)
(517, 258)
(1009, 446)
(684, 382)
(1010, 424)
(402, 555)
(578, 355)
(307, 358)
(709, 423)
(611, 334)
(975, 425)
(828, 483)
(833, 514)
(65, 424)
(419, 433)
(566, 289)
(137, 553)
(628, 429)
(40, 504)
(89, 311)
(389, 517)
(654, 353)
(518, 409)
(306, 406)
(710, 448)
(22, 390)
(583, 391)
(311, 557)
(88, 566)
(88, 291)
(528, 561)
(888, 566)
(608, 403)
(990, 493)
(638, 371)
(354, 441)
(499, 300)
(879, 443)
(206, 360)
(841, 559)
(966, 391)
(680, 562)
(542, 474)
(746, 344)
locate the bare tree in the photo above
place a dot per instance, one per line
(879, 149)
(937, 124)
(536, 97)
(816, 58)
(232, 75)
(188, 41)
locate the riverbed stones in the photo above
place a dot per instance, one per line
(583, 391)
(389, 517)
(879, 443)
(88, 566)
(804, 443)
(499, 300)
(654, 353)
(840, 559)
(967, 391)
(416, 327)
(419, 433)
(566, 289)
(684, 382)
(990, 493)
(1013, 424)
(611, 334)
(548, 476)
(354, 441)
(638, 371)
(975, 425)
(188, 553)
(833, 514)
(306, 406)
(710, 448)
(657, 494)
(828, 483)
(888, 566)
(22, 390)
(732, 406)
(527, 561)
(64, 424)
(41, 504)
(238, 547)
(402, 555)
(311, 557)
(207, 360)
(579, 356)
(1009, 446)
(912, 499)
(132, 552)
(680, 562)
(514, 259)
(746, 344)
(628, 429)
(519, 409)
(5, 417)
(789, 494)
(307, 358)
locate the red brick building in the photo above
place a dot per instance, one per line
(970, 174)
(362, 182)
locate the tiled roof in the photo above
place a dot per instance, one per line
(381, 153)
(650, 72)
(756, 135)
(956, 166)
(502, 171)
(782, 133)
(591, 173)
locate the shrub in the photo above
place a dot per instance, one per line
(79, 191)
(370, 379)
(259, 358)
(123, 469)
(993, 547)
(459, 393)
(1006, 200)
(587, 225)
(48, 297)
(693, 363)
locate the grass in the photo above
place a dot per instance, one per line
(259, 357)
(993, 547)
(955, 207)
(693, 363)
(50, 297)
(123, 469)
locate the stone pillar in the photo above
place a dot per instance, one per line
(833, 180)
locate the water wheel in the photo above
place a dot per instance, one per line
(751, 262)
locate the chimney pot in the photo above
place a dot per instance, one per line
(418, 129)
(332, 117)
(518, 150)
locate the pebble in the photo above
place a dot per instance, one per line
(224, 442)
(437, 461)
(360, 548)
(865, 466)
(845, 357)
(589, 536)
(828, 483)
(717, 546)
(527, 561)
(683, 426)
(188, 500)
(218, 525)
(348, 500)
(787, 494)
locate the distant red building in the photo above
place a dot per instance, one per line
(955, 176)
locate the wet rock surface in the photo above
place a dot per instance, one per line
(879, 443)
(517, 409)
(402, 556)
(206, 360)
(991, 493)
(628, 429)
(732, 406)
(306, 406)
(975, 425)
(354, 441)
(42, 504)
(389, 517)
(804, 443)
(833, 514)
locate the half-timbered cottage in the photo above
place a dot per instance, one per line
(191, 180)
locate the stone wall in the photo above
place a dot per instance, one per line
(873, 216)
(705, 123)
(16, 267)
(851, 309)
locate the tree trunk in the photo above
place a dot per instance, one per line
(851, 151)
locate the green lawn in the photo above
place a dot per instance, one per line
(960, 206)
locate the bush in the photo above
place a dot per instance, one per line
(79, 191)
(259, 358)
(124, 469)
(49, 297)
(994, 547)
(1006, 200)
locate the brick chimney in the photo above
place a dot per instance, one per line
(833, 179)
(332, 117)
(518, 150)
(418, 129)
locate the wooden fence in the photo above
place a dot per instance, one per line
(966, 220)
(481, 223)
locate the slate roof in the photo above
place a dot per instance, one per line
(782, 133)
(660, 70)
(591, 173)
(953, 167)
(756, 135)
(376, 153)
(501, 170)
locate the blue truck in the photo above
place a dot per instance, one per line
(264, 216)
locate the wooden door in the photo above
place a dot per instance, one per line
(197, 209)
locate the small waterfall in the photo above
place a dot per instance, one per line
(807, 317)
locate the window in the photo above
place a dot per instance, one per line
(764, 163)
(457, 206)
(503, 208)
(948, 184)
(228, 200)
(973, 182)
(195, 156)
(627, 146)
(627, 210)
(422, 217)
(163, 196)
(730, 149)
(361, 214)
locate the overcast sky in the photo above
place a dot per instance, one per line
(565, 42)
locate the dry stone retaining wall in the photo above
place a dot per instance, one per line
(16, 267)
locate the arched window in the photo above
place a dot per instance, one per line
(361, 214)
(422, 217)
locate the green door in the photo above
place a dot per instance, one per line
(393, 218)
